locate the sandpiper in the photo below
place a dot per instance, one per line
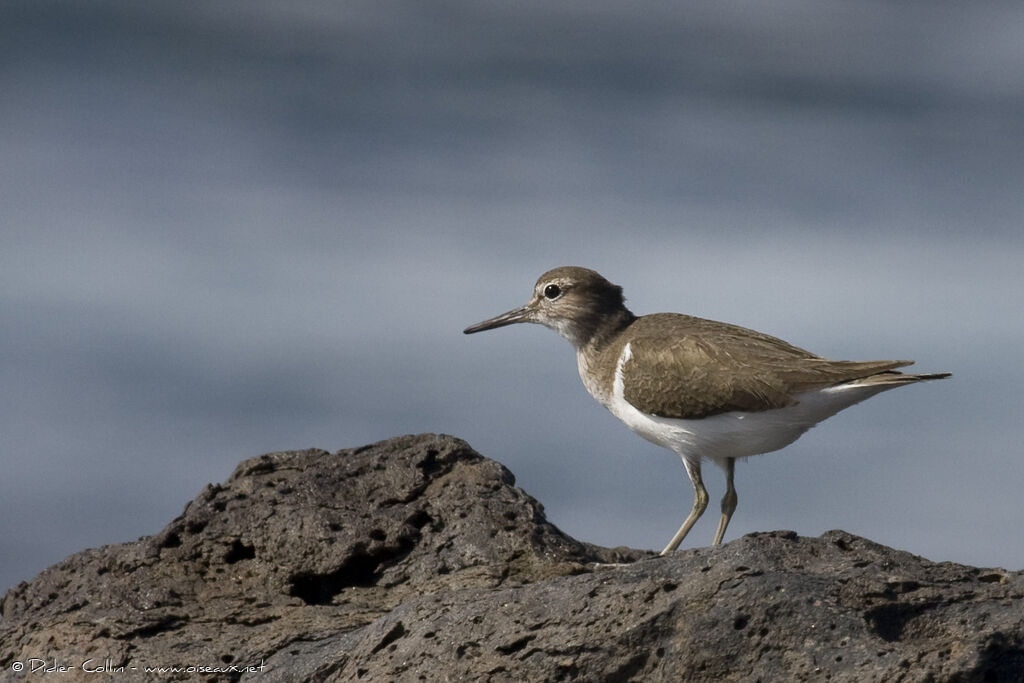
(701, 388)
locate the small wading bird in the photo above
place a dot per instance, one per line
(700, 388)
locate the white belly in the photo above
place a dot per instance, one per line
(735, 434)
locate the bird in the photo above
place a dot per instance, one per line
(704, 389)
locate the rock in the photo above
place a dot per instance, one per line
(768, 607)
(418, 559)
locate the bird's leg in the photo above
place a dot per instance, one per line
(700, 502)
(728, 500)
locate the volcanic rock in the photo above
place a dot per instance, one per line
(417, 559)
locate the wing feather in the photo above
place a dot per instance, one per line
(685, 367)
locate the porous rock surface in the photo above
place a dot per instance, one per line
(416, 558)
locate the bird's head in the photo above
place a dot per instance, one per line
(575, 302)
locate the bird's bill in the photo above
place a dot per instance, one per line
(523, 314)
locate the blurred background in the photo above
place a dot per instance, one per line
(234, 228)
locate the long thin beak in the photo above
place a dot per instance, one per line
(523, 314)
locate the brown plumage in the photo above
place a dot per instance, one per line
(688, 367)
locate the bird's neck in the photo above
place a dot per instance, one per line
(592, 355)
(593, 333)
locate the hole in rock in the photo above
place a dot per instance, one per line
(239, 551)
(172, 540)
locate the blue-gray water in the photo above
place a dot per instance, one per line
(231, 228)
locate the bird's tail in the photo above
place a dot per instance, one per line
(893, 377)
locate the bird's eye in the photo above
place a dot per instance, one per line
(552, 291)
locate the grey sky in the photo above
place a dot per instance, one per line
(231, 228)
